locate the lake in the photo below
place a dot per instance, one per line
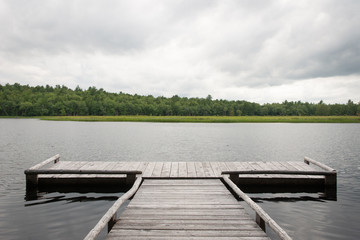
(26, 142)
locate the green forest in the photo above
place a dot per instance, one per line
(25, 100)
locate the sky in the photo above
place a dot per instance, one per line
(261, 51)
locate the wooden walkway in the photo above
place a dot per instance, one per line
(185, 209)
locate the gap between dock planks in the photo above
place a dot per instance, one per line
(185, 209)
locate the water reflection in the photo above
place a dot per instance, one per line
(38, 193)
(46, 200)
(286, 199)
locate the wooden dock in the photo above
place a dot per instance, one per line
(184, 200)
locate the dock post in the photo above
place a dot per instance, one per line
(260, 222)
(130, 178)
(234, 177)
(330, 183)
(111, 222)
(330, 188)
(330, 180)
(31, 186)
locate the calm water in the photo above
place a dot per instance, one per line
(24, 143)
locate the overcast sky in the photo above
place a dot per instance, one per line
(261, 51)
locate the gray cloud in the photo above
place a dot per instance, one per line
(189, 48)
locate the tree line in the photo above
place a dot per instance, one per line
(24, 100)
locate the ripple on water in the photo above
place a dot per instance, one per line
(60, 216)
(24, 143)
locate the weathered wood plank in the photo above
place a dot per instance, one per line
(186, 182)
(178, 198)
(104, 166)
(191, 172)
(188, 238)
(61, 165)
(208, 169)
(71, 166)
(157, 169)
(296, 168)
(239, 217)
(174, 172)
(256, 165)
(187, 233)
(270, 166)
(149, 169)
(182, 169)
(181, 212)
(184, 225)
(216, 168)
(199, 169)
(166, 170)
(239, 165)
(184, 203)
(183, 189)
(134, 165)
(179, 193)
(223, 166)
(237, 222)
(230, 165)
(113, 166)
(163, 206)
(142, 166)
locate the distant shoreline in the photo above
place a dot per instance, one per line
(204, 119)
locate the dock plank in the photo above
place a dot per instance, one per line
(208, 169)
(215, 168)
(149, 169)
(142, 166)
(182, 170)
(157, 169)
(199, 170)
(72, 165)
(191, 172)
(174, 172)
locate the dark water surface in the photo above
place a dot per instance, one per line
(25, 142)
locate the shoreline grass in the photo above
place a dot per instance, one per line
(208, 119)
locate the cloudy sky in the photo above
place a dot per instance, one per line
(262, 51)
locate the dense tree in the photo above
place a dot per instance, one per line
(23, 100)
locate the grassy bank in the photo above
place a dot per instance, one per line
(210, 119)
